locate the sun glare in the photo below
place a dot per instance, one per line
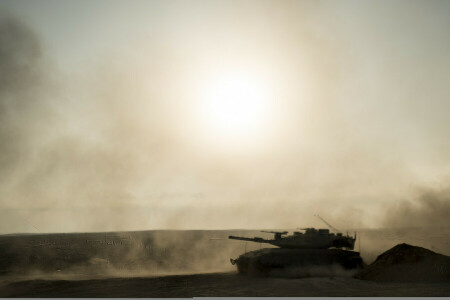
(235, 108)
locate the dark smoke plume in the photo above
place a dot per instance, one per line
(430, 209)
(20, 81)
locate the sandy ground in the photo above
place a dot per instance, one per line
(230, 284)
(194, 263)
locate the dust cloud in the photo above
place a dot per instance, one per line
(48, 167)
(118, 254)
(430, 208)
(112, 145)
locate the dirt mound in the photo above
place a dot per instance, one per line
(406, 263)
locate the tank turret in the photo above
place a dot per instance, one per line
(311, 238)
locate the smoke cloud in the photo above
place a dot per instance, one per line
(429, 209)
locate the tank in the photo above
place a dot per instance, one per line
(310, 238)
(309, 247)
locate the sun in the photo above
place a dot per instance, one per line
(235, 107)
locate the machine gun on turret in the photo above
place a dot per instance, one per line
(278, 234)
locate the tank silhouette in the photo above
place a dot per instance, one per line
(311, 238)
(302, 249)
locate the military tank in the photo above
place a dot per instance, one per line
(312, 247)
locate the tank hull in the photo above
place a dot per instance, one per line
(266, 260)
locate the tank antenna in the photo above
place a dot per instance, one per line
(328, 224)
(359, 243)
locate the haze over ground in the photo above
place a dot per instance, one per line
(223, 114)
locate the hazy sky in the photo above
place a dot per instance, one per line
(124, 115)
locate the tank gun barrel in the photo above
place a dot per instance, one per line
(256, 239)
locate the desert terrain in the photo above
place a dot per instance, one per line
(187, 264)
